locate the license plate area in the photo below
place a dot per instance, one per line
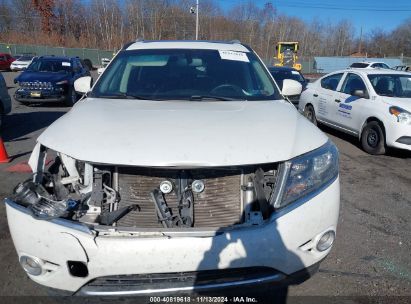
(35, 94)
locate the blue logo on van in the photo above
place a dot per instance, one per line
(344, 106)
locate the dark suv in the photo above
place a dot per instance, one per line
(281, 73)
(50, 79)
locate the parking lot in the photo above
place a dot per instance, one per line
(371, 256)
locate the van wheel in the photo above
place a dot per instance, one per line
(309, 113)
(373, 139)
(71, 98)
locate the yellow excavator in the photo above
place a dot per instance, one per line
(287, 55)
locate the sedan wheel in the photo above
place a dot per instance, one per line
(309, 113)
(373, 138)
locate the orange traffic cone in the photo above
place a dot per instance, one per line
(4, 158)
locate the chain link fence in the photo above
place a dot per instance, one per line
(94, 55)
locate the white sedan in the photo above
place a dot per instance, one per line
(21, 63)
(374, 105)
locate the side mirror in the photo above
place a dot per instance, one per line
(82, 85)
(360, 93)
(291, 87)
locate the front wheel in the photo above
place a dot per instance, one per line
(309, 113)
(373, 139)
(71, 98)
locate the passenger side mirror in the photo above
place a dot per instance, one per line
(360, 93)
(82, 85)
(291, 88)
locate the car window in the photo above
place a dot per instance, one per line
(359, 65)
(391, 85)
(25, 58)
(352, 83)
(169, 74)
(331, 82)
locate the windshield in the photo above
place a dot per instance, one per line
(50, 65)
(25, 58)
(189, 74)
(391, 85)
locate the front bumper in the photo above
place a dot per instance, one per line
(22, 95)
(285, 245)
(399, 136)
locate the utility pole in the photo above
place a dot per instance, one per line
(197, 19)
(360, 43)
(192, 11)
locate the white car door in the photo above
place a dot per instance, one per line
(325, 95)
(351, 110)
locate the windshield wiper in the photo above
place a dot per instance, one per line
(123, 96)
(213, 97)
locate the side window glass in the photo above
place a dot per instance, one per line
(353, 82)
(331, 82)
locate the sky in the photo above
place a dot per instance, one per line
(365, 14)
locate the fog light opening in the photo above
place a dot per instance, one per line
(326, 240)
(77, 269)
(31, 265)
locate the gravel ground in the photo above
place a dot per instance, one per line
(371, 256)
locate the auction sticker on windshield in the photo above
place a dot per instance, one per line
(65, 63)
(233, 55)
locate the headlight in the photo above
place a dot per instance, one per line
(402, 115)
(46, 209)
(307, 173)
(62, 82)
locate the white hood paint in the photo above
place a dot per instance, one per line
(182, 133)
(404, 103)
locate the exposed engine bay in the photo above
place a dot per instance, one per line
(149, 197)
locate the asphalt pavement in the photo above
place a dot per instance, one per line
(372, 252)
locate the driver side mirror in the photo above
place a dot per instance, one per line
(291, 87)
(82, 85)
(361, 94)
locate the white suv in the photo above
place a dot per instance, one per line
(182, 170)
(373, 105)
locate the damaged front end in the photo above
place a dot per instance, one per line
(140, 197)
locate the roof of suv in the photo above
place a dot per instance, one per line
(56, 57)
(206, 45)
(372, 71)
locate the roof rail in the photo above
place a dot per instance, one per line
(234, 41)
(131, 42)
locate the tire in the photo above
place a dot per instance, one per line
(88, 64)
(71, 98)
(373, 138)
(309, 113)
(1, 120)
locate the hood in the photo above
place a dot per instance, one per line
(182, 133)
(42, 76)
(404, 103)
